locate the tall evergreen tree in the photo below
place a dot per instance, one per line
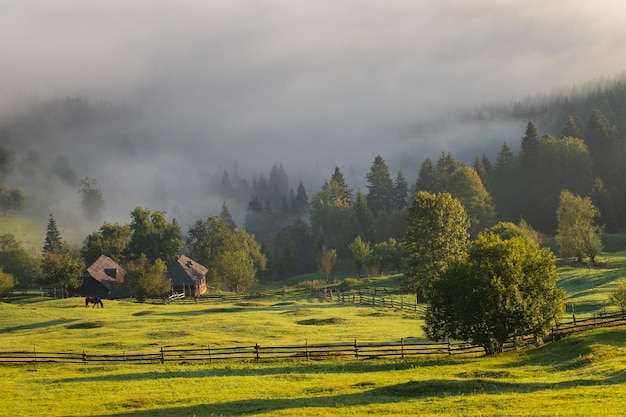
(601, 141)
(400, 192)
(363, 216)
(302, 200)
(427, 178)
(571, 128)
(53, 242)
(227, 217)
(505, 184)
(380, 187)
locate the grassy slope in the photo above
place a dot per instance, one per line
(583, 375)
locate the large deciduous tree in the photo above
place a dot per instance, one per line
(436, 236)
(111, 240)
(211, 242)
(577, 233)
(465, 185)
(15, 260)
(505, 287)
(62, 269)
(154, 236)
(147, 279)
(92, 199)
(11, 199)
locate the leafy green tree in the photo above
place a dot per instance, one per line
(577, 234)
(16, 261)
(618, 297)
(7, 161)
(436, 236)
(53, 242)
(62, 269)
(207, 240)
(146, 279)
(154, 236)
(111, 240)
(360, 251)
(326, 261)
(465, 185)
(11, 199)
(7, 282)
(380, 187)
(211, 241)
(238, 269)
(92, 199)
(504, 288)
(387, 253)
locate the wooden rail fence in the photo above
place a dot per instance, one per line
(210, 354)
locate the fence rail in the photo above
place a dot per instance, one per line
(353, 350)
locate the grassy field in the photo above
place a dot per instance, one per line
(582, 375)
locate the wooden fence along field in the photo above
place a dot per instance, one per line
(353, 350)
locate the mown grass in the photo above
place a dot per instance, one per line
(67, 325)
(582, 375)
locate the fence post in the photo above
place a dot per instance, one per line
(416, 300)
(402, 347)
(256, 352)
(84, 357)
(306, 349)
(162, 355)
(449, 347)
(210, 357)
(356, 350)
(35, 354)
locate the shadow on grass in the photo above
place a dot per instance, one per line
(434, 388)
(253, 308)
(40, 325)
(224, 370)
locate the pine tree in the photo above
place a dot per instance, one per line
(227, 217)
(400, 192)
(380, 187)
(571, 128)
(53, 242)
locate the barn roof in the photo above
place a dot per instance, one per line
(186, 272)
(106, 271)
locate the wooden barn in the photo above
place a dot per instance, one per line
(104, 279)
(187, 276)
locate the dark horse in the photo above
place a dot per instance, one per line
(94, 300)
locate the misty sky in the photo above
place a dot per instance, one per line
(311, 84)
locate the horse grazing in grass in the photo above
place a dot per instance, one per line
(94, 300)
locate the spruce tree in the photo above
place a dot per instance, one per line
(53, 242)
(380, 187)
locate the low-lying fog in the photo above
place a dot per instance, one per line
(179, 91)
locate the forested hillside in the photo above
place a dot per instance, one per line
(575, 142)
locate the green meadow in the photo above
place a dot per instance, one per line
(580, 375)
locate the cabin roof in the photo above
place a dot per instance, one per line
(106, 271)
(185, 271)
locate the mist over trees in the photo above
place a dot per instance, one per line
(575, 143)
